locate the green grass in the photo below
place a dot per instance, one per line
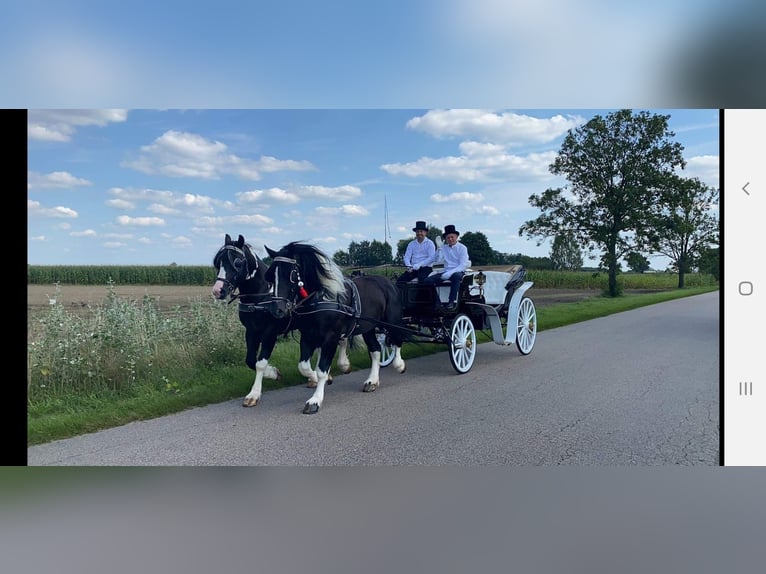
(67, 414)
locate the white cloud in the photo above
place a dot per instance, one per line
(120, 204)
(277, 194)
(340, 193)
(704, 167)
(352, 210)
(84, 233)
(36, 208)
(505, 127)
(481, 162)
(181, 241)
(459, 196)
(61, 125)
(140, 221)
(161, 209)
(183, 154)
(54, 179)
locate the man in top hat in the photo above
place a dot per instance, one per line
(419, 256)
(454, 255)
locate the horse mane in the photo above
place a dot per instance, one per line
(319, 271)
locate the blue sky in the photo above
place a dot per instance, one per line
(117, 186)
(398, 53)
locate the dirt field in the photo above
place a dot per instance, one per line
(79, 297)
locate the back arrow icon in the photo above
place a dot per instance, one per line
(745, 190)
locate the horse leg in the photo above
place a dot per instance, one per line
(262, 369)
(304, 365)
(343, 362)
(398, 362)
(252, 342)
(326, 355)
(373, 346)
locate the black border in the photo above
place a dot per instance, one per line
(14, 450)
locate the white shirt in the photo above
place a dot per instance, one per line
(455, 259)
(420, 254)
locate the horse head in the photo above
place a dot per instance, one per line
(297, 271)
(238, 268)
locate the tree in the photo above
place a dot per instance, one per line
(479, 250)
(367, 254)
(434, 232)
(685, 225)
(340, 258)
(401, 249)
(565, 253)
(637, 262)
(709, 263)
(613, 166)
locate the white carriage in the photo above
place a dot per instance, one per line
(491, 301)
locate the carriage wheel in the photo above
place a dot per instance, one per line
(386, 351)
(526, 326)
(462, 350)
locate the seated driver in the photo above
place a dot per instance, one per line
(454, 255)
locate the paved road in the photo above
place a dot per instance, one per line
(635, 388)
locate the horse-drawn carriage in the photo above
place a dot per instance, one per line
(487, 300)
(304, 290)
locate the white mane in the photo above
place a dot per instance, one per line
(334, 282)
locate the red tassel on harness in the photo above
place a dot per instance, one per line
(302, 292)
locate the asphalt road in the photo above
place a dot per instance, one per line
(636, 388)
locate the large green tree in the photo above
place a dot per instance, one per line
(565, 253)
(613, 166)
(479, 250)
(686, 223)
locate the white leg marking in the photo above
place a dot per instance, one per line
(304, 368)
(316, 399)
(373, 380)
(398, 362)
(272, 372)
(254, 395)
(344, 364)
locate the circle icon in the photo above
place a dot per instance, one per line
(745, 288)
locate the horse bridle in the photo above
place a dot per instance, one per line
(297, 293)
(240, 264)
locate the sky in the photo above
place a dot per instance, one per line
(399, 53)
(155, 187)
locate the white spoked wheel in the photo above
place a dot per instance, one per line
(526, 326)
(386, 351)
(462, 349)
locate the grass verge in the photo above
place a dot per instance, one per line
(69, 416)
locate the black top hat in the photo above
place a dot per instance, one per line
(420, 225)
(449, 229)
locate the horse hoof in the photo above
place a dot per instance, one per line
(310, 409)
(369, 387)
(279, 374)
(249, 402)
(311, 384)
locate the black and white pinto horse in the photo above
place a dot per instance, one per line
(240, 269)
(330, 310)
